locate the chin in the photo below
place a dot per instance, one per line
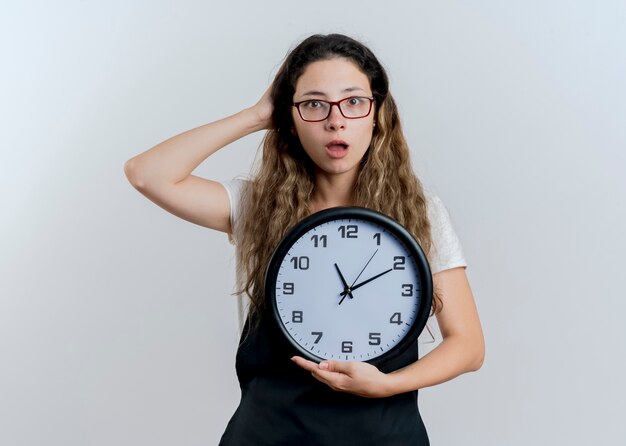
(344, 170)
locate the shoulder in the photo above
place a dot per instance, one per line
(438, 214)
(447, 251)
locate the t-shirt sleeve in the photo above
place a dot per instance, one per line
(447, 251)
(234, 189)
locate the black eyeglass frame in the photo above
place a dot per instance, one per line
(330, 107)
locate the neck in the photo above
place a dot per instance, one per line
(332, 191)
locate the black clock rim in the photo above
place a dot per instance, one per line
(358, 213)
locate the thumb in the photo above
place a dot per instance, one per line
(335, 366)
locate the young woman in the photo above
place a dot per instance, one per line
(333, 138)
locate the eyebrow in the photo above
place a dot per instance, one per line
(321, 93)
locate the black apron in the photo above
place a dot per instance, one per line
(282, 404)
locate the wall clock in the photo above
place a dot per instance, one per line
(349, 284)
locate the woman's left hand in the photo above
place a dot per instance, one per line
(358, 378)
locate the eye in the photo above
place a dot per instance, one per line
(312, 104)
(355, 101)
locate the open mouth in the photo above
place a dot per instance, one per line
(337, 146)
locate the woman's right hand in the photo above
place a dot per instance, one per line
(264, 109)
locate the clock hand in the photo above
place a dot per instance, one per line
(368, 262)
(343, 293)
(346, 288)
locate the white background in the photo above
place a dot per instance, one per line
(116, 322)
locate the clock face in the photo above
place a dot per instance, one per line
(349, 284)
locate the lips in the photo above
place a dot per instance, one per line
(337, 148)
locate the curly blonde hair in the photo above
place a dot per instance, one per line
(280, 194)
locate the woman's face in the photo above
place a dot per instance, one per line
(337, 144)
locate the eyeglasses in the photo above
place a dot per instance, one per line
(315, 110)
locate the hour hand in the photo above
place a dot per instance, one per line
(346, 288)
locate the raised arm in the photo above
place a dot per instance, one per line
(163, 173)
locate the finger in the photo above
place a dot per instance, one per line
(305, 363)
(344, 367)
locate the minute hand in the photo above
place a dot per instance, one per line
(358, 285)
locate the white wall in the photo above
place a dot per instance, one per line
(116, 325)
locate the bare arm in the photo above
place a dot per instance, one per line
(163, 173)
(462, 349)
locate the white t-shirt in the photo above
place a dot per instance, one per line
(447, 251)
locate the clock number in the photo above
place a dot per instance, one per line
(300, 262)
(398, 262)
(407, 289)
(288, 288)
(319, 239)
(396, 318)
(377, 237)
(349, 231)
(346, 347)
(318, 334)
(296, 317)
(374, 338)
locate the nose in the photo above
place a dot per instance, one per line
(335, 120)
